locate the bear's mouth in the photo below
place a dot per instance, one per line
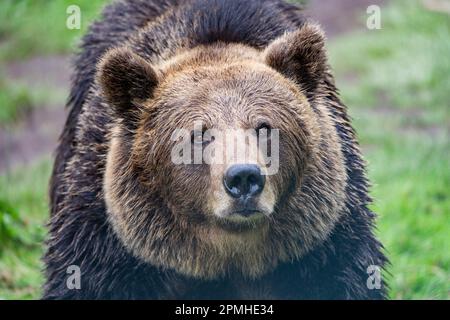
(242, 220)
(246, 212)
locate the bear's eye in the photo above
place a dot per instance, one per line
(199, 138)
(263, 127)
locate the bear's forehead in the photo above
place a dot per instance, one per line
(217, 53)
(245, 79)
(237, 87)
(223, 68)
(223, 83)
(223, 104)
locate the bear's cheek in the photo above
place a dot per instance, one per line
(187, 187)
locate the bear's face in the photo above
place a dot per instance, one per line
(212, 107)
(218, 162)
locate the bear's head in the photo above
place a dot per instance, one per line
(223, 159)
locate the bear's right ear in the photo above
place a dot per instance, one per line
(125, 81)
(301, 56)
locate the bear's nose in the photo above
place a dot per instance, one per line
(244, 180)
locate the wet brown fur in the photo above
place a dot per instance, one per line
(162, 213)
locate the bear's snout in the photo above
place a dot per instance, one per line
(243, 181)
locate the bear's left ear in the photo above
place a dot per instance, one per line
(300, 55)
(125, 81)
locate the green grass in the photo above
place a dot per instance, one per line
(23, 214)
(36, 27)
(14, 101)
(17, 99)
(407, 60)
(395, 82)
(33, 28)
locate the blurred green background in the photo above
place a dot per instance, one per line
(395, 81)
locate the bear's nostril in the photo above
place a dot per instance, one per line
(244, 180)
(236, 181)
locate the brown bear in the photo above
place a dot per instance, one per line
(138, 225)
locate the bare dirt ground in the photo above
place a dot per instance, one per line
(36, 134)
(340, 16)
